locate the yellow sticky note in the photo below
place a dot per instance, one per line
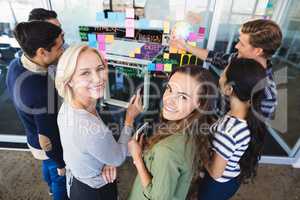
(168, 68)
(173, 50)
(109, 38)
(166, 56)
(193, 44)
(166, 27)
(132, 55)
(181, 51)
(137, 50)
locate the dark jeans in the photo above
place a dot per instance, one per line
(209, 189)
(56, 183)
(81, 191)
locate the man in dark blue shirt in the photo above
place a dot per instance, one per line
(35, 99)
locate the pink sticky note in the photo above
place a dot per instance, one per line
(129, 23)
(201, 30)
(130, 13)
(192, 37)
(159, 67)
(101, 46)
(130, 32)
(101, 38)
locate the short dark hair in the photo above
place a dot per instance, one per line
(33, 35)
(265, 34)
(41, 14)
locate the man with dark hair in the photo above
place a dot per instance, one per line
(35, 99)
(44, 15)
(259, 39)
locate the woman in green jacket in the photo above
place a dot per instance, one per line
(181, 144)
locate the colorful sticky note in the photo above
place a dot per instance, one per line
(166, 56)
(173, 49)
(143, 23)
(166, 27)
(132, 55)
(129, 23)
(92, 40)
(130, 32)
(129, 13)
(168, 67)
(101, 46)
(100, 16)
(193, 44)
(201, 31)
(181, 51)
(159, 67)
(270, 5)
(137, 50)
(109, 38)
(92, 37)
(151, 67)
(192, 37)
(101, 38)
(112, 16)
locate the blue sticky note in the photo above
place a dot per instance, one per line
(92, 40)
(143, 23)
(112, 16)
(120, 16)
(151, 67)
(100, 16)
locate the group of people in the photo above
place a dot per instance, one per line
(79, 152)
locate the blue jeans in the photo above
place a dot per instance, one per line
(56, 183)
(210, 189)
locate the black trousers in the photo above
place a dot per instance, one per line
(81, 191)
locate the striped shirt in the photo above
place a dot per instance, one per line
(230, 141)
(269, 102)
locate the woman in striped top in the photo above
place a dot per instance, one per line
(238, 137)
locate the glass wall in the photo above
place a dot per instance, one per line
(283, 137)
(11, 12)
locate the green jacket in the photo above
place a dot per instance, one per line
(170, 164)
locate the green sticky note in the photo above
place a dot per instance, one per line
(168, 68)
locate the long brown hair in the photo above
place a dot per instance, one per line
(195, 125)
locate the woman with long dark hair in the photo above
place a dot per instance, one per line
(181, 143)
(238, 137)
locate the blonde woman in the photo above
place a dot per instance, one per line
(87, 142)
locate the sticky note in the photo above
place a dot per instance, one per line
(166, 27)
(168, 67)
(130, 32)
(92, 40)
(121, 16)
(192, 37)
(109, 38)
(151, 67)
(129, 23)
(181, 51)
(166, 56)
(92, 37)
(100, 16)
(112, 16)
(143, 23)
(132, 55)
(193, 44)
(129, 13)
(137, 50)
(159, 67)
(101, 46)
(201, 31)
(101, 38)
(270, 5)
(173, 49)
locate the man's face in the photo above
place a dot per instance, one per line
(51, 57)
(245, 49)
